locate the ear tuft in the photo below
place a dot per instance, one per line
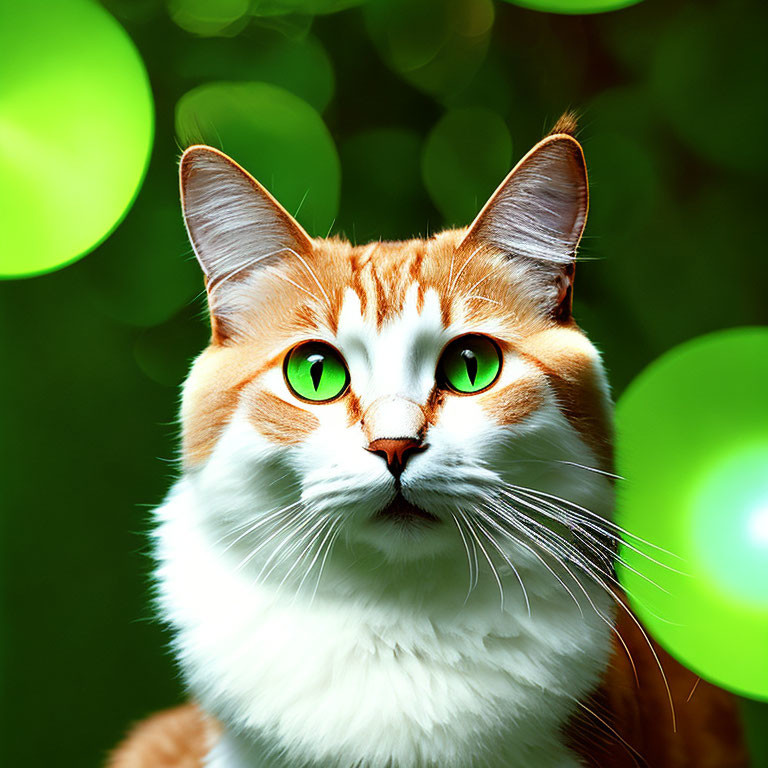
(568, 123)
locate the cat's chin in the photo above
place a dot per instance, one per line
(403, 531)
(402, 512)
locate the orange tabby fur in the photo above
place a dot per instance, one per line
(630, 723)
(176, 738)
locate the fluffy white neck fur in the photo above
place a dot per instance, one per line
(383, 667)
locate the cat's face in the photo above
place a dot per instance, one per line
(395, 397)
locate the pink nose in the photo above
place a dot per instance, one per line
(396, 451)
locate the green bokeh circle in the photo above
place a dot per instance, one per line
(460, 174)
(202, 17)
(277, 136)
(76, 130)
(699, 85)
(574, 6)
(436, 45)
(693, 449)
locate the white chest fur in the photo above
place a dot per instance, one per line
(372, 682)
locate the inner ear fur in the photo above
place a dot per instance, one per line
(537, 216)
(235, 227)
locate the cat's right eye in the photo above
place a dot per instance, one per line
(316, 372)
(469, 364)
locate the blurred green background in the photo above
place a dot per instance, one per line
(377, 118)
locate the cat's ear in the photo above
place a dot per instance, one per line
(235, 226)
(537, 216)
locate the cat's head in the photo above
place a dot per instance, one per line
(411, 398)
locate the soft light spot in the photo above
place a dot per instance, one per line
(758, 525)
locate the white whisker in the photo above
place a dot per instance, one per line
(328, 525)
(496, 269)
(277, 273)
(490, 562)
(288, 524)
(496, 524)
(506, 559)
(571, 520)
(255, 525)
(463, 267)
(290, 538)
(214, 285)
(312, 534)
(331, 542)
(469, 560)
(312, 273)
(576, 464)
(589, 517)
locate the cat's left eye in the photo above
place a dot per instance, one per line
(315, 371)
(469, 364)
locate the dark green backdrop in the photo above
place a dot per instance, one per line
(403, 114)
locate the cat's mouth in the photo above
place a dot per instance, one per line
(400, 509)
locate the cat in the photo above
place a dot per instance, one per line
(391, 545)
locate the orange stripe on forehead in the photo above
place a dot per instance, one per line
(334, 310)
(414, 271)
(383, 273)
(446, 309)
(355, 261)
(382, 305)
(277, 420)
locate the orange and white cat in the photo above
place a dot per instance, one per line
(391, 546)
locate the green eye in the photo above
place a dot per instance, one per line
(470, 364)
(316, 371)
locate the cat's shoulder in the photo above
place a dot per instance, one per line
(175, 738)
(628, 721)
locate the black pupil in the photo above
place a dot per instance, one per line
(316, 363)
(471, 362)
